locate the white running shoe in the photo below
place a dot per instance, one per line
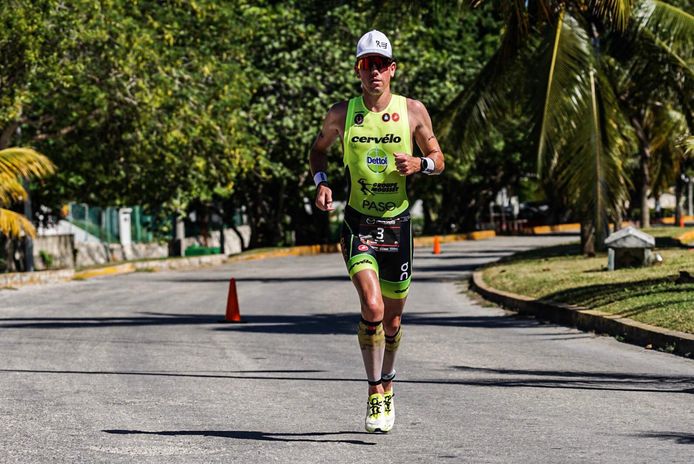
(388, 411)
(374, 414)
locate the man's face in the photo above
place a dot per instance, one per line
(375, 72)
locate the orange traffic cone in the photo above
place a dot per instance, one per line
(437, 245)
(233, 314)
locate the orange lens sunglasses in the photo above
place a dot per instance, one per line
(368, 62)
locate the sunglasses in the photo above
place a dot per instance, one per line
(368, 62)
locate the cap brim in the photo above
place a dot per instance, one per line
(374, 52)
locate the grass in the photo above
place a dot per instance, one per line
(649, 295)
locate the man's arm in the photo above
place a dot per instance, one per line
(318, 156)
(426, 141)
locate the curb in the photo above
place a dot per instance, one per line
(304, 250)
(585, 319)
(558, 228)
(18, 279)
(686, 239)
(477, 235)
(152, 266)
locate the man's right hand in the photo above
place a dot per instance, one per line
(324, 198)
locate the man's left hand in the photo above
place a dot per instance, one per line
(406, 164)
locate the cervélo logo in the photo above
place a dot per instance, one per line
(376, 160)
(388, 138)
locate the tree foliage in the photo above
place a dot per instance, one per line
(137, 102)
(560, 59)
(213, 105)
(17, 164)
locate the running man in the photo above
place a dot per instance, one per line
(376, 130)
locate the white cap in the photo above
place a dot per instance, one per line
(374, 42)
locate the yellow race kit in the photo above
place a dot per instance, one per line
(376, 232)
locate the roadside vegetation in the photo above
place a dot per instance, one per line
(656, 295)
(210, 107)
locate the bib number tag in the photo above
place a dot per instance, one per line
(381, 235)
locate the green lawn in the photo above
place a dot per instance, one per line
(649, 295)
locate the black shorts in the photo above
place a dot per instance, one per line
(383, 245)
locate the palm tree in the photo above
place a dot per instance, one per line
(16, 163)
(554, 61)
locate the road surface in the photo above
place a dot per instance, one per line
(138, 368)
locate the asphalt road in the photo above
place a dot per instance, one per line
(138, 368)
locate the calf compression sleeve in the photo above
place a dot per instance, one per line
(392, 345)
(372, 343)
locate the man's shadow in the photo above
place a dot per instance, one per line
(248, 435)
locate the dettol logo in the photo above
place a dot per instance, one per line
(376, 160)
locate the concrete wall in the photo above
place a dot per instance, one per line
(89, 254)
(232, 244)
(59, 248)
(67, 253)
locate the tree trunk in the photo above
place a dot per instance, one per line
(645, 165)
(278, 233)
(587, 238)
(645, 182)
(7, 133)
(601, 233)
(428, 223)
(618, 219)
(240, 236)
(679, 188)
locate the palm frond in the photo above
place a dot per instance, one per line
(652, 57)
(24, 162)
(667, 129)
(591, 165)
(564, 87)
(673, 26)
(616, 12)
(11, 190)
(13, 224)
(465, 122)
(688, 145)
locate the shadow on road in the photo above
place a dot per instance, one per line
(677, 437)
(419, 276)
(315, 324)
(247, 435)
(499, 378)
(95, 322)
(346, 323)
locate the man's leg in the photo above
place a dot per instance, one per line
(371, 333)
(391, 323)
(372, 343)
